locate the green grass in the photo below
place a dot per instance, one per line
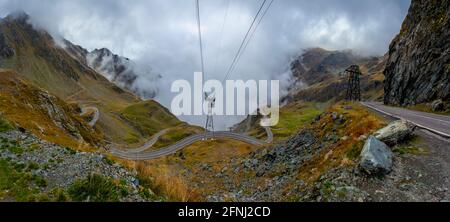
(16, 183)
(13, 147)
(176, 134)
(295, 116)
(413, 147)
(5, 125)
(96, 188)
(355, 150)
(149, 118)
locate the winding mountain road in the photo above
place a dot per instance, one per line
(187, 142)
(438, 124)
(148, 144)
(140, 154)
(94, 120)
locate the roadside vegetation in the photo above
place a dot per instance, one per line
(428, 109)
(346, 127)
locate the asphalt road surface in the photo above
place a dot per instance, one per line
(96, 114)
(140, 155)
(438, 124)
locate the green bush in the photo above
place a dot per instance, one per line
(95, 188)
(59, 195)
(40, 181)
(5, 125)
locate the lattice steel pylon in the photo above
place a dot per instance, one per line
(353, 85)
(211, 100)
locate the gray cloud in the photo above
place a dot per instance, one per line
(162, 33)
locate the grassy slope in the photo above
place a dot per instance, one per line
(176, 134)
(22, 105)
(148, 118)
(292, 118)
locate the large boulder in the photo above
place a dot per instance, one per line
(376, 157)
(395, 132)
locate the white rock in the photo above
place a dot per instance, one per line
(394, 133)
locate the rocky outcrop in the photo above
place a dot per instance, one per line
(395, 133)
(376, 157)
(418, 69)
(5, 50)
(116, 68)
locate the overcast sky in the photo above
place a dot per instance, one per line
(162, 34)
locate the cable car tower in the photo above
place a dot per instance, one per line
(353, 85)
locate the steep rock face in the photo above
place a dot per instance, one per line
(5, 50)
(117, 69)
(417, 69)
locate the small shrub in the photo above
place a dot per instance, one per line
(40, 181)
(5, 125)
(33, 166)
(108, 161)
(70, 151)
(59, 195)
(95, 188)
